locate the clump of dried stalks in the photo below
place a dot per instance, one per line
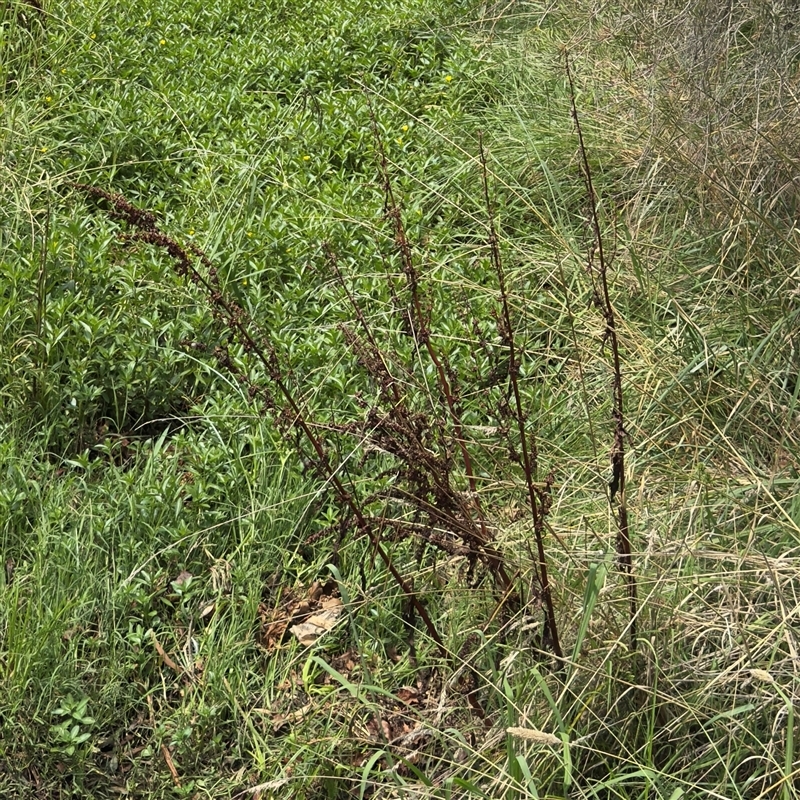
(430, 465)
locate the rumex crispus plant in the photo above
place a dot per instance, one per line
(423, 474)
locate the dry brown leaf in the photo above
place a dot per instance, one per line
(274, 621)
(292, 717)
(345, 662)
(163, 653)
(307, 618)
(379, 729)
(315, 591)
(408, 694)
(171, 765)
(206, 610)
(316, 625)
(183, 577)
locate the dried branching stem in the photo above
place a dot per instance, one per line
(422, 336)
(235, 318)
(537, 505)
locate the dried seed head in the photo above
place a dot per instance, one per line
(762, 675)
(533, 735)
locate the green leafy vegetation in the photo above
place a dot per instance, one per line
(366, 431)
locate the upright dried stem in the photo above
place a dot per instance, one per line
(534, 499)
(602, 300)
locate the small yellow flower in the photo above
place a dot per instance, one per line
(44, 149)
(64, 71)
(448, 78)
(399, 140)
(48, 99)
(191, 231)
(306, 158)
(93, 36)
(162, 42)
(250, 234)
(405, 128)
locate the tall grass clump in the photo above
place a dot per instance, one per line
(676, 100)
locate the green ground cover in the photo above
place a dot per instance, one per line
(345, 169)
